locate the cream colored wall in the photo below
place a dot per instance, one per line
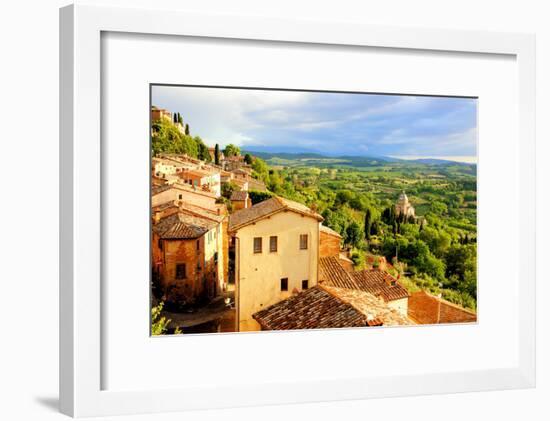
(213, 242)
(400, 305)
(259, 275)
(164, 169)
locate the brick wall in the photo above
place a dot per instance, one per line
(329, 245)
(423, 308)
(427, 309)
(450, 313)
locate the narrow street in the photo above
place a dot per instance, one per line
(216, 316)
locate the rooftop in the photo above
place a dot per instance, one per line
(239, 195)
(380, 284)
(332, 273)
(181, 226)
(372, 307)
(180, 186)
(314, 308)
(329, 231)
(266, 208)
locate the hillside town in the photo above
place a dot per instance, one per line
(223, 262)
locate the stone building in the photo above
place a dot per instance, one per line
(187, 256)
(276, 246)
(403, 206)
(160, 113)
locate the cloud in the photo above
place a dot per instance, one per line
(330, 123)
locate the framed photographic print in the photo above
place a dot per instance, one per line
(241, 198)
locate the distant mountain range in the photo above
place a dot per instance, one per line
(300, 153)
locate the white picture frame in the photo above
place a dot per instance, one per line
(81, 181)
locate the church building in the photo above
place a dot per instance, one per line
(403, 206)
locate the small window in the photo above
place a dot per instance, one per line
(284, 284)
(303, 241)
(257, 244)
(198, 266)
(160, 244)
(198, 245)
(180, 197)
(305, 284)
(180, 271)
(273, 243)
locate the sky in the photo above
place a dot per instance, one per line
(334, 124)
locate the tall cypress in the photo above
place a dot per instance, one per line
(217, 154)
(367, 224)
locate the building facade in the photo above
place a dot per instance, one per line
(276, 254)
(187, 263)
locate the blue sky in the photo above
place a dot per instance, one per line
(329, 123)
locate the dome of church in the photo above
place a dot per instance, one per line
(403, 197)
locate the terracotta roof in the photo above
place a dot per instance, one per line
(375, 309)
(380, 284)
(329, 231)
(164, 206)
(266, 208)
(180, 226)
(239, 195)
(314, 308)
(159, 189)
(332, 273)
(211, 215)
(181, 186)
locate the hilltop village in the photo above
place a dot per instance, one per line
(228, 255)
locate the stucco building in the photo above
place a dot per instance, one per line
(240, 200)
(202, 179)
(276, 253)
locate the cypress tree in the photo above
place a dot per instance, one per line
(187, 129)
(217, 154)
(367, 224)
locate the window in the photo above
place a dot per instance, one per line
(273, 243)
(160, 244)
(303, 241)
(198, 245)
(257, 244)
(180, 196)
(180, 271)
(305, 284)
(284, 284)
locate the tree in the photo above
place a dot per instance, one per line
(217, 154)
(159, 323)
(354, 234)
(180, 119)
(248, 159)
(368, 223)
(228, 189)
(231, 150)
(259, 196)
(187, 132)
